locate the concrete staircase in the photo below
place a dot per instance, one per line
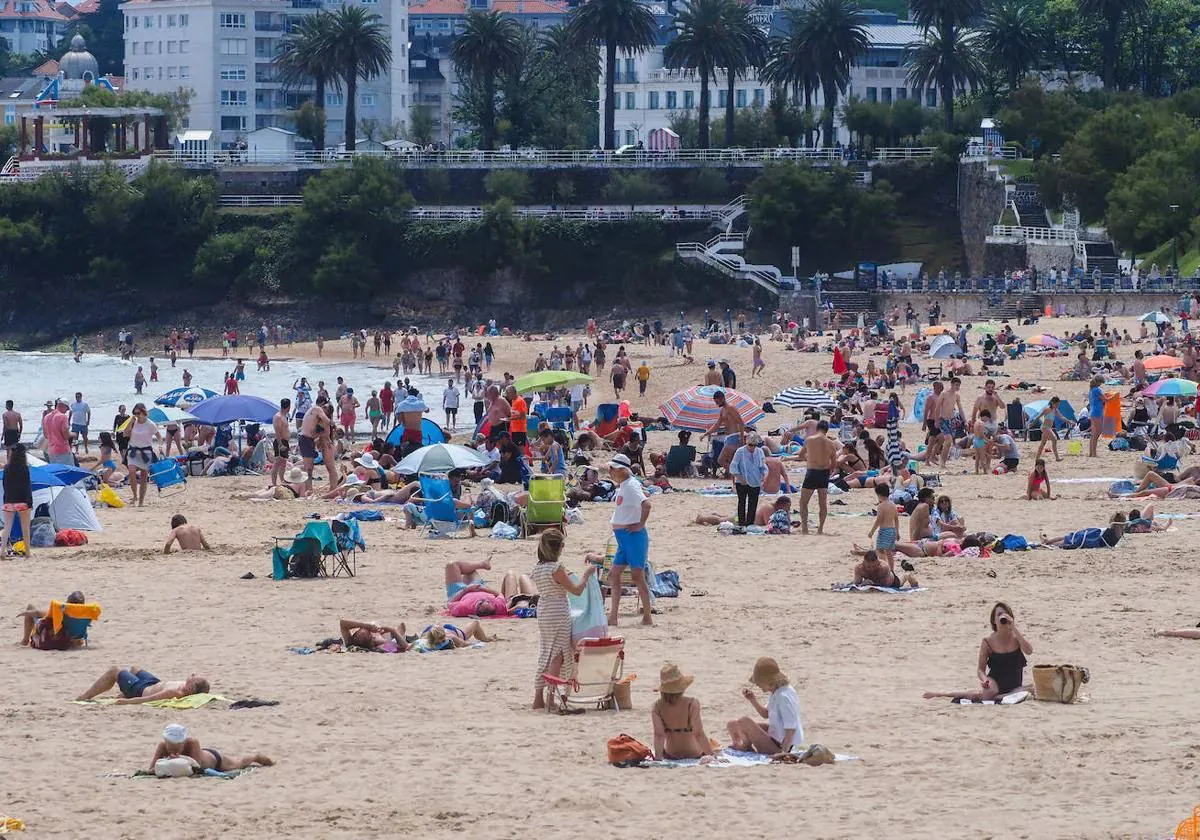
(851, 303)
(1100, 255)
(1027, 203)
(1006, 307)
(722, 252)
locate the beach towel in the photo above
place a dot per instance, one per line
(735, 758)
(870, 587)
(192, 701)
(1010, 699)
(588, 618)
(363, 515)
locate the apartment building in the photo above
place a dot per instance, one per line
(31, 26)
(224, 51)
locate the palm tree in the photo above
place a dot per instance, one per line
(359, 48)
(306, 56)
(617, 24)
(945, 56)
(747, 48)
(702, 42)
(1113, 13)
(790, 64)
(489, 48)
(832, 32)
(1010, 39)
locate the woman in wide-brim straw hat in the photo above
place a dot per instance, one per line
(678, 730)
(783, 729)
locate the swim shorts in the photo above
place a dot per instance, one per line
(79, 428)
(815, 479)
(453, 589)
(282, 448)
(12, 437)
(944, 427)
(633, 548)
(308, 447)
(132, 685)
(885, 540)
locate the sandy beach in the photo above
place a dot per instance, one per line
(445, 745)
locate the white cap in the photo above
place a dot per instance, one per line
(175, 733)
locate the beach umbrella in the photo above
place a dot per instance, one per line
(1156, 318)
(1163, 362)
(1171, 388)
(440, 458)
(411, 404)
(185, 397)
(936, 329)
(800, 397)
(168, 414)
(1048, 341)
(54, 475)
(693, 408)
(546, 379)
(217, 411)
(986, 329)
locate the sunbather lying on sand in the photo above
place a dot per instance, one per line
(874, 572)
(1092, 537)
(1155, 486)
(450, 636)
(1189, 633)
(176, 742)
(140, 686)
(372, 636)
(925, 547)
(391, 496)
(1001, 666)
(294, 487)
(468, 594)
(1142, 522)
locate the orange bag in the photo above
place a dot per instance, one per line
(625, 750)
(69, 536)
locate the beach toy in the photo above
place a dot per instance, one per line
(1074, 447)
(109, 497)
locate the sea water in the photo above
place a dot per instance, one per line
(106, 382)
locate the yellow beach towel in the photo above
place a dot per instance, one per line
(8, 824)
(58, 609)
(192, 701)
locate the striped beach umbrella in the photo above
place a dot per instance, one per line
(1171, 388)
(184, 397)
(802, 397)
(170, 414)
(1045, 341)
(693, 408)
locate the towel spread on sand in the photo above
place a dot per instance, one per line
(870, 587)
(192, 701)
(733, 758)
(1010, 699)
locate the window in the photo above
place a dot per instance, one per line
(185, 72)
(183, 20)
(741, 98)
(135, 45)
(185, 46)
(872, 94)
(368, 100)
(628, 137)
(758, 97)
(230, 20)
(901, 93)
(172, 72)
(233, 123)
(135, 74)
(233, 98)
(148, 22)
(232, 46)
(653, 103)
(135, 23)
(931, 98)
(630, 101)
(689, 100)
(722, 98)
(671, 100)
(160, 74)
(172, 47)
(171, 21)
(233, 72)
(616, 102)
(887, 96)
(335, 100)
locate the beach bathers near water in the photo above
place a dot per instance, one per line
(815, 479)
(282, 448)
(308, 447)
(885, 540)
(133, 685)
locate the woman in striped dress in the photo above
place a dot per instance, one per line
(554, 612)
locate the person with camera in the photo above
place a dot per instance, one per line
(1002, 660)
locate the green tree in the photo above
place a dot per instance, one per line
(747, 47)
(834, 32)
(310, 124)
(359, 48)
(420, 129)
(633, 188)
(1041, 122)
(307, 56)
(616, 25)
(104, 32)
(437, 183)
(945, 57)
(791, 65)
(1140, 214)
(1113, 14)
(512, 184)
(1010, 40)
(702, 42)
(908, 119)
(488, 48)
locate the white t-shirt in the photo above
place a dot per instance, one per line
(783, 712)
(577, 393)
(630, 496)
(79, 414)
(450, 397)
(141, 435)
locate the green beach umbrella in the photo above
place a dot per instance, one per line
(546, 379)
(986, 329)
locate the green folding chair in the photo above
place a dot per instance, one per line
(547, 502)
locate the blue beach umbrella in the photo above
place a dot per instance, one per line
(184, 397)
(218, 411)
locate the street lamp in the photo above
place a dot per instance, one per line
(1174, 243)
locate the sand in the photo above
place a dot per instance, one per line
(445, 745)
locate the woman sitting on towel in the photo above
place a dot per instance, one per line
(1092, 537)
(945, 521)
(678, 730)
(1002, 660)
(783, 729)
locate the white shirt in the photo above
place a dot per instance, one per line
(477, 389)
(783, 712)
(577, 393)
(630, 496)
(450, 397)
(141, 435)
(79, 414)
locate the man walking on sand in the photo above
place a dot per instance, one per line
(14, 425)
(283, 441)
(819, 455)
(732, 426)
(629, 531)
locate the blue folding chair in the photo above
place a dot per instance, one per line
(561, 417)
(167, 474)
(442, 516)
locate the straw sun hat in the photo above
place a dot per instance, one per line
(766, 672)
(295, 476)
(673, 681)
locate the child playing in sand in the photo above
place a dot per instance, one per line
(783, 729)
(1038, 486)
(176, 743)
(887, 524)
(780, 521)
(189, 537)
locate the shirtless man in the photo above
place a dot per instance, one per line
(189, 537)
(730, 422)
(283, 440)
(820, 453)
(948, 406)
(14, 425)
(498, 412)
(918, 522)
(314, 432)
(713, 376)
(176, 743)
(935, 439)
(140, 686)
(989, 400)
(872, 571)
(1138, 369)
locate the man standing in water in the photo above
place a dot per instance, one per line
(56, 431)
(14, 425)
(283, 440)
(819, 455)
(81, 418)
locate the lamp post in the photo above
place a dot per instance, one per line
(1174, 244)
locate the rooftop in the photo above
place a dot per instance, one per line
(21, 88)
(37, 9)
(512, 7)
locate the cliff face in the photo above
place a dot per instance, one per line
(981, 199)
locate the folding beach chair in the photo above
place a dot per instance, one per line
(348, 540)
(561, 417)
(259, 460)
(547, 501)
(302, 558)
(599, 664)
(167, 474)
(441, 513)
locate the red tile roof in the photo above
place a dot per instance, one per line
(42, 10)
(459, 7)
(88, 7)
(49, 68)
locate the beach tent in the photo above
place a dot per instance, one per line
(1033, 409)
(661, 139)
(944, 347)
(431, 433)
(69, 508)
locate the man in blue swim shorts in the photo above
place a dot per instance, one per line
(629, 531)
(140, 686)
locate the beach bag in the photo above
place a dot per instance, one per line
(1087, 538)
(109, 497)
(1058, 683)
(1014, 542)
(665, 585)
(70, 537)
(41, 533)
(627, 751)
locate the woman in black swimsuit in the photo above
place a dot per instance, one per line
(1002, 660)
(678, 730)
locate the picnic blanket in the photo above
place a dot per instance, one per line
(870, 587)
(192, 701)
(734, 758)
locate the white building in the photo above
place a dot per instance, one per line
(646, 93)
(224, 51)
(31, 26)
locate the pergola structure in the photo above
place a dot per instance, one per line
(149, 128)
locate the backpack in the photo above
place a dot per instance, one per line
(41, 532)
(627, 751)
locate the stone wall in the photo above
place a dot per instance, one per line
(1001, 258)
(1045, 257)
(980, 203)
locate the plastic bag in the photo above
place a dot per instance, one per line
(504, 531)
